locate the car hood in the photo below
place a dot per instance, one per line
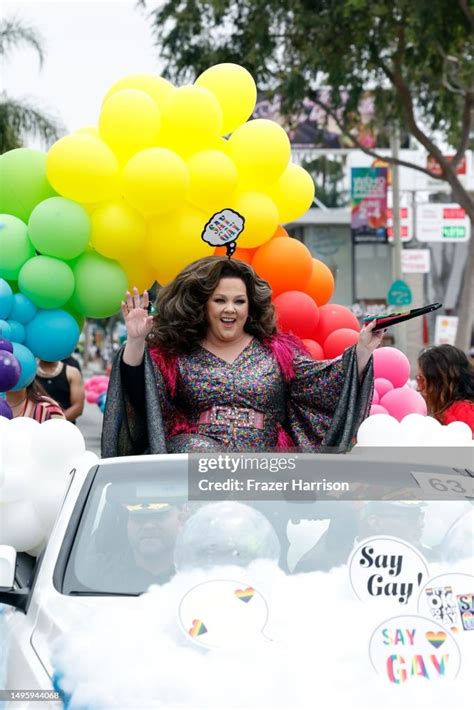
(59, 614)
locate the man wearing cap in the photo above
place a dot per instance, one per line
(148, 558)
(402, 519)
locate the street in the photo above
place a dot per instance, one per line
(90, 424)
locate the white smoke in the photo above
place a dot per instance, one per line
(133, 654)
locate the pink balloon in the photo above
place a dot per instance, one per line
(102, 387)
(382, 386)
(377, 409)
(400, 402)
(91, 396)
(375, 397)
(393, 365)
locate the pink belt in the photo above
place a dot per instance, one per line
(235, 416)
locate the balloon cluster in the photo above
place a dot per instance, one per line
(27, 332)
(34, 462)
(302, 287)
(124, 203)
(96, 390)
(412, 430)
(392, 393)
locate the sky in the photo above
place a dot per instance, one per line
(88, 44)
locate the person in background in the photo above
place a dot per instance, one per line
(64, 384)
(72, 362)
(350, 525)
(446, 381)
(33, 402)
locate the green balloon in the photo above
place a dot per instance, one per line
(15, 246)
(100, 285)
(23, 182)
(78, 317)
(48, 282)
(59, 227)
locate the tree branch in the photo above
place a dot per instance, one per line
(448, 171)
(368, 151)
(466, 127)
(466, 10)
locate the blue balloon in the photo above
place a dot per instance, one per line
(23, 310)
(6, 299)
(18, 333)
(5, 330)
(52, 335)
(28, 366)
(5, 410)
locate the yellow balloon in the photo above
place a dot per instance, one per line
(234, 88)
(174, 240)
(139, 274)
(293, 193)
(89, 130)
(155, 86)
(129, 121)
(83, 168)
(118, 230)
(261, 218)
(213, 179)
(261, 150)
(191, 118)
(155, 180)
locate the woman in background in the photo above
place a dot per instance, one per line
(33, 402)
(446, 381)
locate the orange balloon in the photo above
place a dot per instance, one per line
(242, 254)
(280, 232)
(285, 263)
(321, 283)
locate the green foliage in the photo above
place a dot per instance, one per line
(400, 50)
(20, 118)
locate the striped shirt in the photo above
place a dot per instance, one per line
(43, 410)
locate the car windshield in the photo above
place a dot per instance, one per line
(138, 528)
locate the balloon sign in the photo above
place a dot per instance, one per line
(224, 228)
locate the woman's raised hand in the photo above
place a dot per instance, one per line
(135, 315)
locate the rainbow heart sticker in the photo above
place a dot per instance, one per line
(245, 595)
(197, 629)
(436, 638)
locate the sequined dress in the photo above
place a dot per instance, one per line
(306, 405)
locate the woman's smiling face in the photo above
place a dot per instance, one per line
(228, 309)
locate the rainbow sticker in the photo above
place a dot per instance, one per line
(197, 629)
(436, 638)
(245, 595)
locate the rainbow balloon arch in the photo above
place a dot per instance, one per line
(125, 203)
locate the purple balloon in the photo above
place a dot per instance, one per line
(10, 371)
(5, 410)
(6, 345)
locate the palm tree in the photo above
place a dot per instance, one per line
(19, 117)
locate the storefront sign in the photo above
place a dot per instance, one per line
(406, 224)
(369, 205)
(442, 223)
(416, 261)
(446, 329)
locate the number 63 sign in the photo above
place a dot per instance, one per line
(453, 487)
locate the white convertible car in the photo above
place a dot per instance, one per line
(116, 533)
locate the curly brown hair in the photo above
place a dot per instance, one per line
(448, 375)
(181, 319)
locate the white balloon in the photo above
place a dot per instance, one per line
(19, 525)
(17, 443)
(379, 430)
(459, 433)
(15, 486)
(47, 500)
(57, 441)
